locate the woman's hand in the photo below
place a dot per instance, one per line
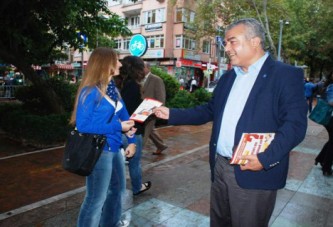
(127, 125)
(131, 132)
(162, 112)
(130, 150)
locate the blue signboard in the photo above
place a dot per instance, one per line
(138, 45)
(218, 39)
(82, 36)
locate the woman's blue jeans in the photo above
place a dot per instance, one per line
(134, 164)
(105, 187)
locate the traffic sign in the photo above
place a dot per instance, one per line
(82, 36)
(138, 45)
(218, 39)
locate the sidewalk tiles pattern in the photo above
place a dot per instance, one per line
(307, 199)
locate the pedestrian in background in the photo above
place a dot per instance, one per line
(8, 85)
(193, 85)
(131, 76)
(325, 157)
(97, 101)
(309, 89)
(153, 87)
(256, 88)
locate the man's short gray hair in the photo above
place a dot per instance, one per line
(253, 29)
(147, 64)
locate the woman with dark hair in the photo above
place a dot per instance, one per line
(131, 76)
(325, 157)
(98, 109)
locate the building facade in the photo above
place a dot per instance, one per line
(166, 26)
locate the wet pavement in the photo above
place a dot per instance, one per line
(36, 191)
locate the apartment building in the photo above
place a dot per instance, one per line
(165, 24)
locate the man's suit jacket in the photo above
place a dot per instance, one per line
(275, 104)
(154, 88)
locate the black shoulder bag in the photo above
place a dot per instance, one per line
(82, 151)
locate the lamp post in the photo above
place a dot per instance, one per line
(219, 47)
(84, 40)
(280, 38)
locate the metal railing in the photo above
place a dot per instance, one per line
(8, 91)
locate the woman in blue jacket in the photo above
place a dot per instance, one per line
(98, 109)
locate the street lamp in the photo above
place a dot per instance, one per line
(84, 40)
(219, 47)
(280, 38)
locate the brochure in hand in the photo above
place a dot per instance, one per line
(251, 143)
(145, 109)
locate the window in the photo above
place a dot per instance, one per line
(127, 2)
(154, 16)
(151, 43)
(184, 15)
(206, 46)
(179, 41)
(193, 44)
(185, 42)
(156, 41)
(179, 15)
(133, 22)
(113, 2)
(151, 16)
(126, 44)
(192, 15)
(117, 44)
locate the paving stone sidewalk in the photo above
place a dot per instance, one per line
(35, 191)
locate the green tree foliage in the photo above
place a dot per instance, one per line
(37, 130)
(170, 83)
(225, 11)
(306, 40)
(309, 39)
(185, 99)
(182, 99)
(36, 32)
(34, 103)
(202, 96)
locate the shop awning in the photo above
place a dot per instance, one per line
(36, 67)
(62, 66)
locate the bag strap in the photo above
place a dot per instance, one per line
(115, 109)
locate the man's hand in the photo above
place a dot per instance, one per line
(162, 112)
(252, 164)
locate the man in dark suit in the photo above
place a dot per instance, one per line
(258, 95)
(153, 87)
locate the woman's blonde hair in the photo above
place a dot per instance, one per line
(101, 66)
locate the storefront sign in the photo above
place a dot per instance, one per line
(76, 65)
(189, 63)
(170, 62)
(155, 53)
(189, 54)
(153, 27)
(224, 66)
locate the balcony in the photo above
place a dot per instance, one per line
(130, 8)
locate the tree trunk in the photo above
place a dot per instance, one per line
(266, 26)
(53, 102)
